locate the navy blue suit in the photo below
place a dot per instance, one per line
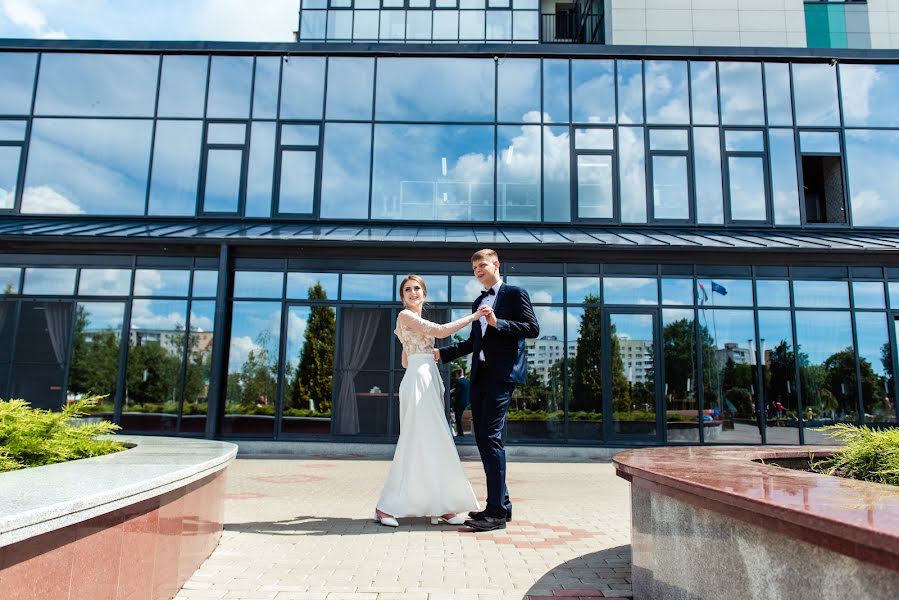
(493, 381)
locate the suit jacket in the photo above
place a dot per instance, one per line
(503, 345)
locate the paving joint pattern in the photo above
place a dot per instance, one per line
(302, 529)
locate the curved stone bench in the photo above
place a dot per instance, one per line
(711, 522)
(137, 523)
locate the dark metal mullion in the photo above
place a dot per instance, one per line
(282, 356)
(797, 377)
(218, 373)
(842, 137)
(892, 315)
(371, 148)
(121, 379)
(496, 126)
(26, 143)
(759, 361)
(204, 151)
(857, 358)
(153, 136)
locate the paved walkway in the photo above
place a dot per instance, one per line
(301, 529)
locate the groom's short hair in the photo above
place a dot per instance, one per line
(485, 254)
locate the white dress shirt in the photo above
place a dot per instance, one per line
(488, 300)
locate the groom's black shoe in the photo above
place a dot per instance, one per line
(486, 523)
(476, 515)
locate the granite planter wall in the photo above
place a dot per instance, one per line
(711, 523)
(135, 524)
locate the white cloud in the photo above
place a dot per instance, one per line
(857, 83)
(43, 199)
(28, 17)
(240, 350)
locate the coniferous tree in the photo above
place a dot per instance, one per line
(315, 373)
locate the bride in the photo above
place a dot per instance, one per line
(426, 477)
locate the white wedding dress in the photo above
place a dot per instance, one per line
(426, 477)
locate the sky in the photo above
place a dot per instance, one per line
(213, 20)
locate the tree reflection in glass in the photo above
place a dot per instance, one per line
(584, 363)
(876, 365)
(154, 372)
(309, 366)
(778, 375)
(537, 407)
(94, 366)
(729, 366)
(632, 362)
(252, 368)
(826, 370)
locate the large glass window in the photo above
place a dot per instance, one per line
(869, 93)
(555, 91)
(707, 175)
(38, 369)
(109, 85)
(669, 173)
(298, 168)
(17, 75)
(666, 92)
(777, 94)
(252, 368)
(704, 92)
(346, 164)
(265, 87)
(176, 164)
(87, 166)
(230, 82)
(435, 89)
(518, 90)
(778, 359)
(593, 91)
(12, 136)
(746, 174)
(826, 369)
(630, 91)
(154, 373)
(741, 93)
(729, 375)
(223, 177)
(815, 92)
(518, 173)
(556, 174)
(261, 165)
(632, 174)
(303, 87)
(595, 167)
(870, 156)
(584, 356)
(350, 88)
(309, 368)
(182, 88)
(433, 172)
(680, 385)
(784, 191)
(822, 177)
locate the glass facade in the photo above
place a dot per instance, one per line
(626, 354)
(588, 175)
(453, 139)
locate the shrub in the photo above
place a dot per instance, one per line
(869, 454)
(30, 437)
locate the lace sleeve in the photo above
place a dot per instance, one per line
(425, 327)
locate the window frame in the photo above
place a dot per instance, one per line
(280, 149)
(839, 131)
(575, 154)
(244, 149)
(762, 155)
(648, 160)
(22, 145)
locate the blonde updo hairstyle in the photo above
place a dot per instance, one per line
(417, 279)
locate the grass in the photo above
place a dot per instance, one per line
(869, 454)
(31, 437)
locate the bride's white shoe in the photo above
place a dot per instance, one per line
(449, 519)
(385, 519)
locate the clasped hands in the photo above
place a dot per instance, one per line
(482, 311)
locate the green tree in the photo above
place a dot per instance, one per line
(258, 375)
(314, 377)
(679, 351)
(153, 373)
(586, 376)
(95, 358)
(840, 368)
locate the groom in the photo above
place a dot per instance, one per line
(499, 362)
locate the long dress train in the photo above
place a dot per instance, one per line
(426, 477)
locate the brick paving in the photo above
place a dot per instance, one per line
(302, 529)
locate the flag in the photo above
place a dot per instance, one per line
(705, 295)
(719, 288)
